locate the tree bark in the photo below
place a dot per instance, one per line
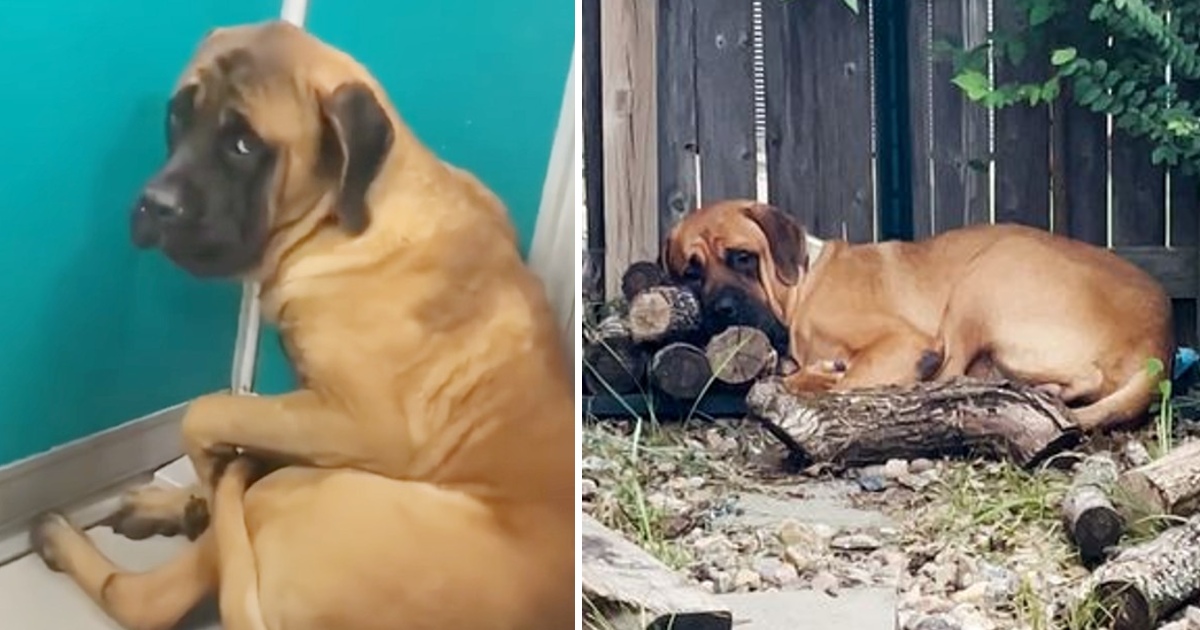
(641, 276)
(1147, 582)
(619, 579)
(740, 354)
(1092, 522)
(663, 314)
(1169, 484)
(612, 362)
(681, 371)
(870, 426)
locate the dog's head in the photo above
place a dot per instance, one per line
(265, 123)
(742, 258)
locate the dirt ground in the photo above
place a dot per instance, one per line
(968, 545)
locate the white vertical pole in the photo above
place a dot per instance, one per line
(245, 352)
(555, 239)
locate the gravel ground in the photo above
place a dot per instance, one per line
(968, 545)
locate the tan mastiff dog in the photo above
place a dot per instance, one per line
(423, 475)
(1003, 300)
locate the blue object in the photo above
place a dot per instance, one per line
(1185, 359)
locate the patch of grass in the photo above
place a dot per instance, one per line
(999, 499)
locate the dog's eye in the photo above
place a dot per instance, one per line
(742, 261)
(242, 146)
(694, 272)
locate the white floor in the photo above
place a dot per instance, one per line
(34, 598)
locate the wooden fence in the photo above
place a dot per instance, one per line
(854, 124)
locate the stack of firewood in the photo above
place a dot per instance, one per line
(656, 340)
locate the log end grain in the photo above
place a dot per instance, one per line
(681, 371)
(1125, 607)
(740, 354)
(663, 314)
(1095, 530)
(640, 276)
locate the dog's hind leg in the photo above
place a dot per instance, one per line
(240, 608)
(152, 600)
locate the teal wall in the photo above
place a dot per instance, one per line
(481, 82)
(92, 332)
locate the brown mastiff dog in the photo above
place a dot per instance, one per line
(423, 475)
(1003, 300)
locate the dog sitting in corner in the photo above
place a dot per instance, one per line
(1009, 301)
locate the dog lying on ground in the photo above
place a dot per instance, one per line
(422, 477)
(987, 301)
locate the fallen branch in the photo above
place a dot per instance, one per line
(681, 371)
(1169, 484)
(618, 575)
(740, 354)
(1092, 522)
(1147, 582)
(870, 426)
(612, 361)
(662, 314)
(640, 276)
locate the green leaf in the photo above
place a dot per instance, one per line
(974, 83)
(1154, 366)
(1040, 13)
(851, 4)
(1087, 93)
(1164, 388)
(1063, 56)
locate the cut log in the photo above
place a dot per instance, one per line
(871, 426)
(640, 276)
(681, 371)
(663, 314)
(617, 574)
(1169, 484)
(612, 362)
(740, 354)
(1092, 522)
(1147, 582)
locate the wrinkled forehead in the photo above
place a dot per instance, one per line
(711, 231)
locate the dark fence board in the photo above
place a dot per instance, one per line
(1022, 133)
(1085, 175)
(677, 140)
(1138, 194)
(960, 136)
(791, 111)
(920, 49)
(825, 52)
(1175, 268)
(593, 151)
(725, 102)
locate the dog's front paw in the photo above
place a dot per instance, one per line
(44, 534)
(153, 510)
(195, 518)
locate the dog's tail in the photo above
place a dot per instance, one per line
(1128, 403)
(240, 608)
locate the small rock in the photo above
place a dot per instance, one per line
(970, 618)
(920, 465)
(796, 533)
(767, 565)
(587, 488)
(593, 463)
(916, 482)
(1135, 453)
(825, 582)
(722, 581)
(895, 468)
(714, 545)
(824, 531)
(1002, 583)
(746, 580)
(934, 622)
(973, 594)
(872, 478)
(1192, 614)
(799, 557)
(855, 542)
(708, 586)
(785, 575)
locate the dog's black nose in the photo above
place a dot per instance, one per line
(160, 205)
(725, 307)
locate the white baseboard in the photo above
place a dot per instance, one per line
(72, 475)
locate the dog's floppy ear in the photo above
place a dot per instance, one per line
(786, 238)
(361, 133)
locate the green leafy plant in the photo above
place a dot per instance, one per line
(1123, 58)
(1164, 419)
